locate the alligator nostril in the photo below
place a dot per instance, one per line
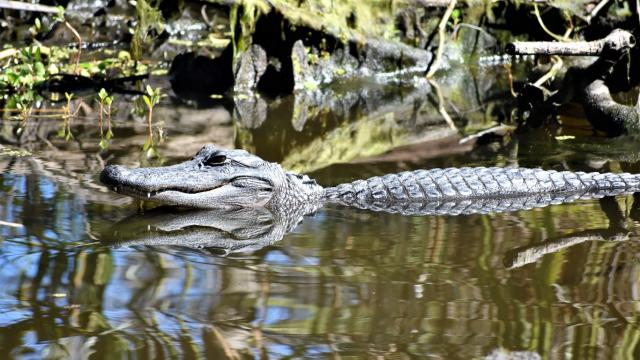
(111, 174)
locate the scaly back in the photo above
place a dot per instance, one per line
(466, 190)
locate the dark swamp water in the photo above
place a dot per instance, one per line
(554, 282)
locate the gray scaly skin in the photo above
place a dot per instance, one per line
(456, 191)
(226, 179)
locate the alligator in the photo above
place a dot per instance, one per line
(225, 179)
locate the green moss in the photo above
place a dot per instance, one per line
(345, 20)
(242, 20)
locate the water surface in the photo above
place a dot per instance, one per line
(560, 281)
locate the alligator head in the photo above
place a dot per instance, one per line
(214, 178)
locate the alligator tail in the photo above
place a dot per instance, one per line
(488, 187)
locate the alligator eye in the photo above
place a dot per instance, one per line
(215, 160)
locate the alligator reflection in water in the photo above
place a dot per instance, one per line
(244, 230)
(219, 231)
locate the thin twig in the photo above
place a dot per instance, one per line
(75, 33)
(109, 119)
(502, 128)
(596, 10)
(507, 66)
(100, 118)
(544, 27)
(441, 109)
(433, 3)
(473, 27)
(557, 65)
(203, 12)
(24, 6)
(442, 26)
(149, 124)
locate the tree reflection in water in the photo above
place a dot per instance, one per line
(343, 282)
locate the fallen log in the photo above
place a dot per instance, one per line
(605, 114)
(588, 84)
(617, 40)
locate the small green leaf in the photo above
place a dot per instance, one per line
(109, 134)
(147, 100)
(104, 143)
(150, 91)
(456, 14)
(12, 77)
(152, 152)
(26, 79)
(12, 103)
(147, 144)
(102, 94)
(40, 70)
(60, 15)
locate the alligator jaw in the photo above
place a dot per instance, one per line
(221, 197)
(171, 185)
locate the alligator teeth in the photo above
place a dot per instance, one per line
(148, 195)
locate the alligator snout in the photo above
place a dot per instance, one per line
(112, 175)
